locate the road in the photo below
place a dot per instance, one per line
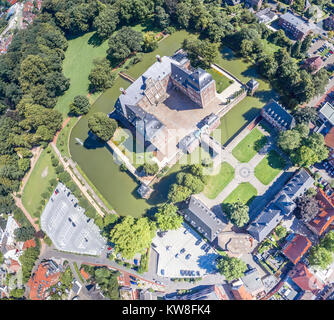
(149, 278)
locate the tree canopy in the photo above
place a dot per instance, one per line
(168, 218)
(132, 236)
(102, 126)
(232, 268)
(237, 213)
(80, 105)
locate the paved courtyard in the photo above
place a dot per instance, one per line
(68, 227)
(182, 253)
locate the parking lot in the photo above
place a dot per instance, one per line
(68, 227)
(322, 48)
(183, 253)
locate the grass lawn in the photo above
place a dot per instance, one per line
(269, 47)
(249, 146)
(270, 166)
(249, 107)
(38, 183)
(222, 82)
(218, 182)
(244, 192)
(77, 65)
(62, 141)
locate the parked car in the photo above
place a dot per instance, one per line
(162, 271)
(188, 256)
(182, 250)
(198, 242)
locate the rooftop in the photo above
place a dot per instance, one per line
(202, 218)
(298, 23)
(327, 111)
(279, 114)
(296, 246)
(304, 279)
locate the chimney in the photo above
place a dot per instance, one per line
(158, 58)
(122, 90)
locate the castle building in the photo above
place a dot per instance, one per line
(141, 105)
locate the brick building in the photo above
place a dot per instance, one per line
(150, 90)
(294, 26)
(47, 275)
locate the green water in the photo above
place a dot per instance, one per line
(97, 161)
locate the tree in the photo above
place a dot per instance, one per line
(24, 233)
(178, 193)
(123, 43)
(161, 17)
(17, 293)
(200, 51)
(320, 257)
(106, 22)
(168, 218)
(28, 259)
(238, 213)
(304, 157)
(102, 126)
(151, 168)
(1, 258)
(80, 105)
(101, 76)
(280, 232)
(328, 241)
(306, 44)
(132, 236)
(307, 207)
(232, 268)
(150, 42)
(306, 115)
(289, 140)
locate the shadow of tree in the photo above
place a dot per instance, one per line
(208, 262)
(95, 40)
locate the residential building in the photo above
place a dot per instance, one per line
(305, 280)
(282, 205)
(85, 275)
(325, 217)
(211, 292)
(295, 247)
(326, 113)
(328, 23)
(253, 283)
(239, 291)
(313, 64)
(266, 16)
(147, 295)
(255, 4)
(46, 276)
(294, 26)
(197, 214)
(277, 116)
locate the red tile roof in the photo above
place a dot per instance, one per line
(84, 274)
(41, 281)
(313, 64)
(240, 293)
(14, 266)
(322, 221)
(296, 247)
(304, 279)
(29, 244)
(324, 200)
(329, 138)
